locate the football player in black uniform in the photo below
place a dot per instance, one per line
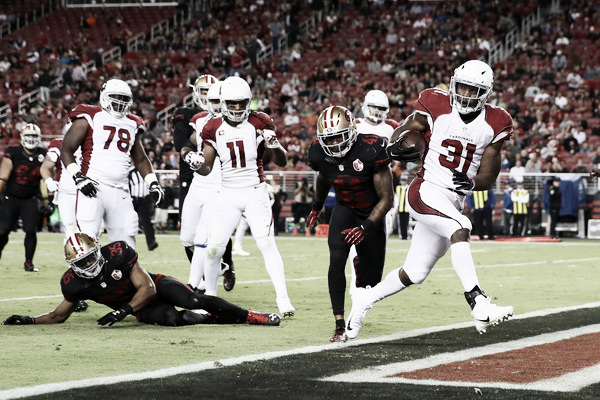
(111, 275)
(20, 186)
(357, 165)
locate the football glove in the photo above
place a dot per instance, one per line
(51, 184)
(311, 220)
(115, 316)
(18, 320)
(48, 210)
(354, 235)
(157, 192)
(194, 159)
(462, 181)
(396, 152)
(86, 185)
(270, 138)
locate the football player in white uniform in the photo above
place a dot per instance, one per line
(193, 226)
(239, 140)
(464, 136)
(375, 109)
(109, 139)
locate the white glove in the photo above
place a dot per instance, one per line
(270, 138)
(195, 160)
(51, 184)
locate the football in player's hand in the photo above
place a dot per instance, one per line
(415, 138)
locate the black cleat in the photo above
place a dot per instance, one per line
(29, 267)
(228, 276)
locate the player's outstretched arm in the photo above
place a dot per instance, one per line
(59, 315)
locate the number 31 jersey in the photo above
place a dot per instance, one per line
(106, 149)
(454, 144)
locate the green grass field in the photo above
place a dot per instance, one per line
(529, 276)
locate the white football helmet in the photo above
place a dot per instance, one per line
(376, 106)
(83, 255)
(200, 87)
(116, 97)
(475, 79)
(214, 98)
(31, 137)
(336, 131)
(235, 99)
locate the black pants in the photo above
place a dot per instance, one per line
(553, 221)
(144, 206)
(403, 219)
(172, 293)
(29, 210)
(482, 219)
(371, 255)
(519, 224)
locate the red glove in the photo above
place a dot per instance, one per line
(354, 235)
(311, 220)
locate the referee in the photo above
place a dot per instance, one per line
(143, 205)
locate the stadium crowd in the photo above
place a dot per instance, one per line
(333, 53)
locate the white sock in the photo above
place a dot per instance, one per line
(390, 285)
(212, 269)
(273, 264)
(463, 264)
(197, 265)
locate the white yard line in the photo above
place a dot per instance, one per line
(207, 365)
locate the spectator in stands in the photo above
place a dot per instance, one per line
(517, 173)
(574, 79)
(580, 168)
(559, 61)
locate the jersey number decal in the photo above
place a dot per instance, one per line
(123, 135)
(234, 159)
(351, 190)
(455, 154)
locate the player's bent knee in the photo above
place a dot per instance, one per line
(416, 277)
(461, 235)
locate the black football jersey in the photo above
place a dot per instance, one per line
(24, 180)
(182, 130)
(112, 287)
(352, 176)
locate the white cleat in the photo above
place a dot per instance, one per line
(286, 309)
(360, 308)
(488, 315)
(239, 252)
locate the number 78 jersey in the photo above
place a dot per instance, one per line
(106, 149)
(240, 149)
(454, 144)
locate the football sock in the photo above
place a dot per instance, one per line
(390, 285)
(197, 266)
(273, 264)
(463, 264)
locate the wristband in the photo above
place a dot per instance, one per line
(150, 178)
(367, 225)
(128, 309)
(73, 168)
(317, 206)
